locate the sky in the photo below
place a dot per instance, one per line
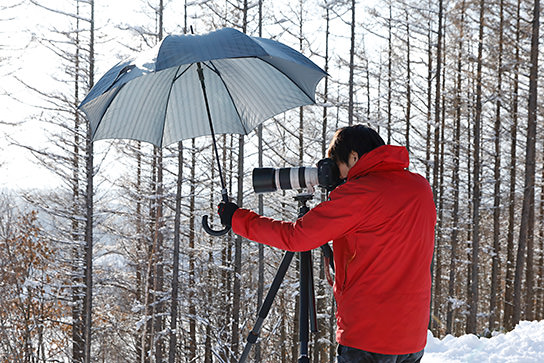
(32, 64)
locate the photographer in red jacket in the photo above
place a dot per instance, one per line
(381, 222)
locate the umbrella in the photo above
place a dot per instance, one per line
(194, 85)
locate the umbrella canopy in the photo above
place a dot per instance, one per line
(158, 97)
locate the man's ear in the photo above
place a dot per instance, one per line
(355, 155)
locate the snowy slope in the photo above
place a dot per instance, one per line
(525, 344)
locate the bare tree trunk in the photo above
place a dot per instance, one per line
(175, 264)
(77, 321)
(509, 280)
(226, 292)
(527, 214)
(260, 283)
(379, 105)
(208, 354)
(192, 242)
(87, 305)
(540, 282)
(140, 247)
(472, 323)
(351, 65)
(150, 273)
(321, 349)
(408, 83)
(436, 167)
(440, 226)
(332, 330)
(389, 75)
(238, 242)
(283, 330)
(295, 320)
(238, 257)
(455, 179)
(429, 97)
(158, 267)
(158, 281)
(470, 132)
(493, 316)
(260, 246)
(428, 138)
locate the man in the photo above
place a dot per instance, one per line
(381, 221)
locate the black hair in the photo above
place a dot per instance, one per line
(358, 138)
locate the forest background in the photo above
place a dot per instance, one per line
(101, 251)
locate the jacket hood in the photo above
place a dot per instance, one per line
(382, 158)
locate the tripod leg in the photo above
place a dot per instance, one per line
(304, 333)
(267, 304)
(311, 296)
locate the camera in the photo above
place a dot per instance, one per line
(326, 176)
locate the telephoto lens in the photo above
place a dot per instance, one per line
(269, 179)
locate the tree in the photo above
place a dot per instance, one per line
(455, 176)
(89, 206)
(32, 300)
(476, 194)
(436, 164)
(322, 351)
(389, 71)
(351, 64)
(260, 283)
(527, 214)
(172, 345)
(77, 54)
(192, 244)
(510, 262)
(497, 176)
(408, 83)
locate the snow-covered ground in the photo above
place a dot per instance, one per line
(525, 344)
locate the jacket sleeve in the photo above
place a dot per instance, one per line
(327, 221)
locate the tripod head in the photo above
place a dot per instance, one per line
(302, 199)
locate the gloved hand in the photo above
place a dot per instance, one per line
(226, 211)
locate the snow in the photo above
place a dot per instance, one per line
(525, 344)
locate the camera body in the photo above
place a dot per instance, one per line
(326, 176)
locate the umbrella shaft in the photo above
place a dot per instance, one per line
(201, 77)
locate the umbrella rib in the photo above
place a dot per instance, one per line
(228, 92)
(168, 99)
(292, 81)
(214, 69)
(176, 77)
(106, 110)
(122, 72)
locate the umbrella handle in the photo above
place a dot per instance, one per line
(210, 231)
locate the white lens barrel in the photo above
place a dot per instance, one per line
(270, 179)
(295, 178)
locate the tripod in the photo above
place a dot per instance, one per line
(307, 313)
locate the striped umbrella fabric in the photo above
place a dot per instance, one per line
(158, 98)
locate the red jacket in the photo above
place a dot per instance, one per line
(382, 223)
